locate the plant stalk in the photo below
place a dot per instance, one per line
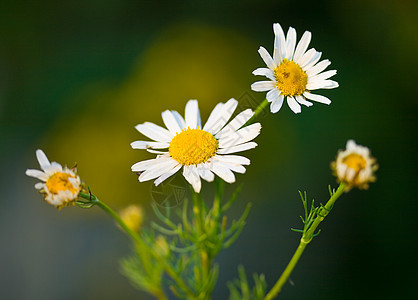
(304, 241)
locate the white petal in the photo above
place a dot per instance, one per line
(179, 119)
(37, 174)
(302, 46)
(277, 104)
(53, 168)
(272, 95)
(40, 185)
(230, 165)
(156, 151)
(147, 164)
(221, 118)
(42, 159)
(267, 58)
(322, 84)
(307, 57)
(262, 86)
(323, 76)
(351, 145)
(309, 63)
(302, 101)
(192, 114)
(290, 43)
(146, 145)
(318, 68)
(264, 72)
(167, 174)
(213, 117)
(237, 148)
(56, 166)
(155, 132)
(158, 169)
(171, 122)
(192, 177)
(279, 43)
(234, 167)
(317, 98)
(294, 106)
(236, 159)
(331, 84)
(241, 136)
(222, 171)
(205, 172)
(236, 123)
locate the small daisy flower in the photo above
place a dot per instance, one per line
(202, 152)
(293, 73)
(60, 186)
(355, 166)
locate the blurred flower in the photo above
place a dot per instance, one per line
(60, 186)
(293, 73)
(355, 166)
(132, 216)
(201, 152)
(161, 246)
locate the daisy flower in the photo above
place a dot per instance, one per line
(355, 166)
(202, 152)
(60, 186)
(293, 73)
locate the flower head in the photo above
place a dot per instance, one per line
(293, 73)
(355, 166)
(60, 186)
(202, 152)
(132, 216)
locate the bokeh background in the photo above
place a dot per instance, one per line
(77, 76)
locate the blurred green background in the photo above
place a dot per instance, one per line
(77, 76)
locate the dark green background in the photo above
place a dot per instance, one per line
(77, 76)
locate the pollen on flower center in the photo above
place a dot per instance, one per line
(193, 146)
(355, 161)
(59, 182)
(291, 80)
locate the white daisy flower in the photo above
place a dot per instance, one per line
(202, 152)
(355, 166)
(293, 73)
(60, 186)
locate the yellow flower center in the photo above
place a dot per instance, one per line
(291, 80)
(193, 146)
(59, 182)
(355, 161)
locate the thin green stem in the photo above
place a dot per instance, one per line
(323, 212)
(304, 241)
(286, 273)
(113, 214)
(159, 294)
(217, 205)
(259, 109)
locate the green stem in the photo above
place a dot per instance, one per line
(198, 212)
(159, 294)
(257, 111)
(113, 214)
(323, 212)
(304, 241)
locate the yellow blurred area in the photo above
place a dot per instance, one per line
(184, 62)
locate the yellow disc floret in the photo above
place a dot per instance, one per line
(193, 146)
(291, 80)
(59, 182)
(355, 161)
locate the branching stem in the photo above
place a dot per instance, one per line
(304, 241)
